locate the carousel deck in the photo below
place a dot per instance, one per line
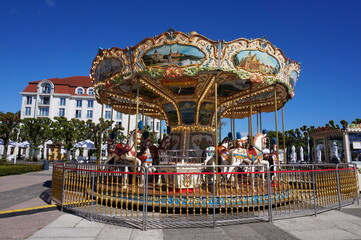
(205, 195)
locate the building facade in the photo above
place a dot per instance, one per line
(73, 97)
(338, 145)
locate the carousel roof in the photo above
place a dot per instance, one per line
(175, 74)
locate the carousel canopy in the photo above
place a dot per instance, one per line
(175, 75)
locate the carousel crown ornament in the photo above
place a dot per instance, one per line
(187, 80)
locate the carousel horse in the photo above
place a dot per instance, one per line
(255, 151)
(223, 154)
(149, 152)
(125, 154)
(148, 155)
(238, 156)
(166, 144)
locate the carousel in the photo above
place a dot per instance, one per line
(192, 82)
(192, 178)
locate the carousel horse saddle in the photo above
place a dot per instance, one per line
(239, 156)
(121, 149)
(253, 155)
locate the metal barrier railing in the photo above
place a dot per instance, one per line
(184, 195)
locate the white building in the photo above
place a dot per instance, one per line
(73, 97)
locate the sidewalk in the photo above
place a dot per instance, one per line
(53, 224)
(345, 224)
(19, 195)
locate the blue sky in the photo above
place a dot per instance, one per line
(60, 38)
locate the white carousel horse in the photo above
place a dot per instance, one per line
(255, 151)
(238, 156)
(223, 155)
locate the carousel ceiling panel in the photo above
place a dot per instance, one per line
(230, 88)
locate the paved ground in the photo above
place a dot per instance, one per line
(19, 192)
(23, 192)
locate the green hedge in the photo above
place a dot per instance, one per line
(16, 169)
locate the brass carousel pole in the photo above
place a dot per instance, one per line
(260, 121)
(216, 129)
(276, 115)
(283, 132)
(216, 118)
(136, 132)
(160, 129)
(136, 119)
(130, 107)
(250, 133)
(143, 112)
(233, 129)
(257, 120)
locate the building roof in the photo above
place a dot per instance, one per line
(63, 85)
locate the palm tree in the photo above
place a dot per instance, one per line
(344, 124)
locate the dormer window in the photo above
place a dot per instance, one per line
(90, 91)
(45, 88)
(80, 91)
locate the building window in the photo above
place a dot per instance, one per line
(107, 106)
(80, 91)
(44, 111)
(90, 103)
(29, 100)
(77, 113)
(45, 100)
(119, 124)
(157, 128)
(107, 114)
(61, 112)
(62, 101)
(89, 114)
(118, 115)
(79, 103)
(90, 91)
(27, 111)
(45, 88)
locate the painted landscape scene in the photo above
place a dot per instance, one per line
(257, 61)
(173, 54)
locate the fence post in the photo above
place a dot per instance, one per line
(338, 187)
(92, 195)
(269, 183)
(214, 197)
(357, 183)
(314, 189)
(63, 189)
(145, 196)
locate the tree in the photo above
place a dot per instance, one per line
(332, 123)
(67, 133)
(36, 131)
(98, 132)
(9, 128)
(344, 124)
(357, 121)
